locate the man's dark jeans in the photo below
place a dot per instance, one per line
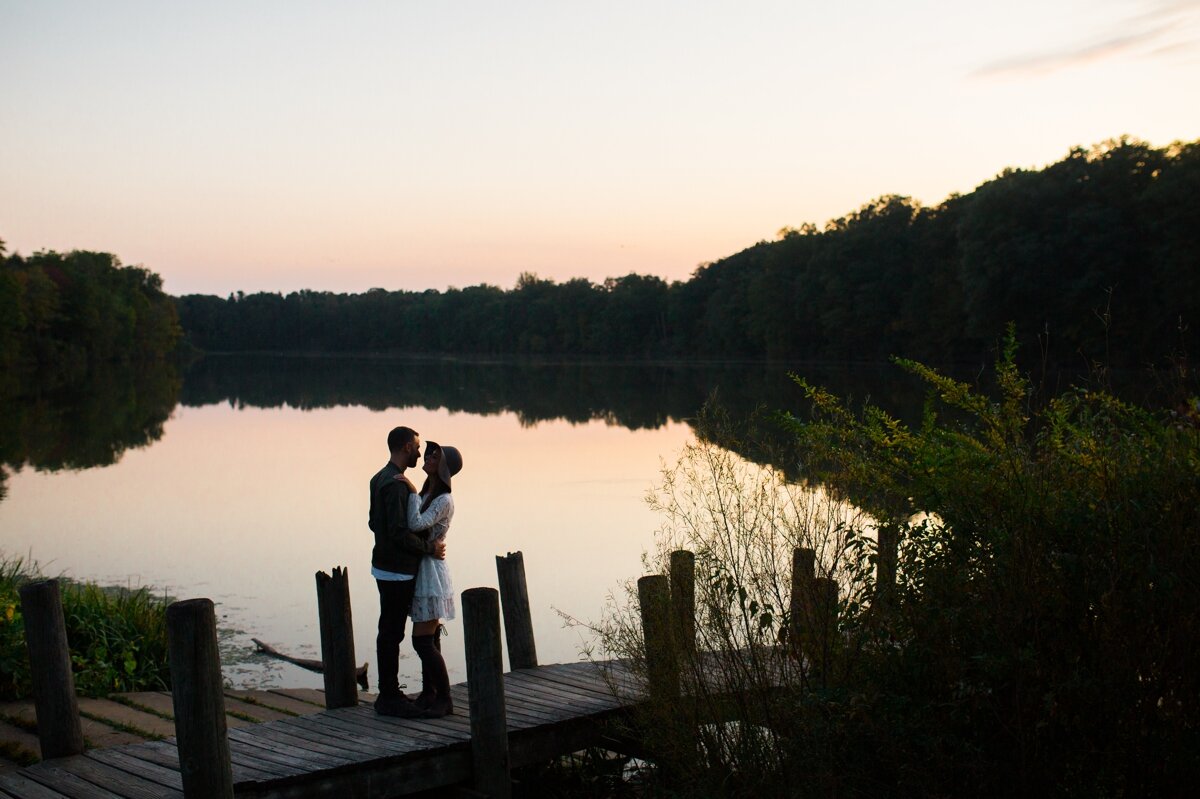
(395, 601)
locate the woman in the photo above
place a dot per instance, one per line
(433, 594)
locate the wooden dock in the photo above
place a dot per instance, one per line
(353, 752)
(530, 714)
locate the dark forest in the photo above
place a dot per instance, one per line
(1096, 259)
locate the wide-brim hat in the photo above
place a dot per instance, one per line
(450, 463)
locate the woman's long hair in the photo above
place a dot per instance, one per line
(433, 487)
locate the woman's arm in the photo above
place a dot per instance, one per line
(438, 510)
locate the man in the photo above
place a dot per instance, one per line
(394, 563)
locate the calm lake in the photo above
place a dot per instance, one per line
(241, 478)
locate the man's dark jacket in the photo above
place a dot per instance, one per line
(397, 549)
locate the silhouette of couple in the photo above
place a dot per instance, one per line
(409, 567)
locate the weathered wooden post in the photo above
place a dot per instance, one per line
(199, 700)
(54, 699)
(518, 619)
(803, 571)
(885, 568)
(683, 599)
(662, 666)
(823, 620)
(337, 638)
(485, 691)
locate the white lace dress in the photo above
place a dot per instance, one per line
(433, 594)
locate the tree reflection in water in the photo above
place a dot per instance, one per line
(53, 426)
(92, 423)
(638, 395)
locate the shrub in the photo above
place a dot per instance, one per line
(1033, 630)
(118, 636)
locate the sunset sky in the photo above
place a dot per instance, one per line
(410, 145)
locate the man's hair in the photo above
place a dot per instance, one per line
(399, 437)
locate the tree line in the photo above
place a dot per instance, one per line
(63, 314)
(1094, 256)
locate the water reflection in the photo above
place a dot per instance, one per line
(115, 409)
(85, 424)
(632, 395)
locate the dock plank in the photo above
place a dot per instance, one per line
(325, 734)
(117, 782)
(169, 778)
(549, 691)
(20, 786)
(254, 711)
(290, 757)
(545, 706)
(252, 767)
(165, 754)
(417, 736)
(448, 729)
(116, 713)
(583, 679)
(310, 695)
(155, 702)
(96, 733)
(275, 701)
(66, 783)
(310, 748)
(559, 690)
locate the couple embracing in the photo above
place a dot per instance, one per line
(409, 567)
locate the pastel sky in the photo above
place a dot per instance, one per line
(410, 145)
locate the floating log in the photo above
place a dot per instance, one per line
(310, 664)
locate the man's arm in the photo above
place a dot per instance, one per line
(414, 542)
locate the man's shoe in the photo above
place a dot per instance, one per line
(396, 704)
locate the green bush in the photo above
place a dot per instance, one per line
(1045, 615)
(118, 636)
(1034, 630)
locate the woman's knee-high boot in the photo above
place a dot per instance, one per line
(435, 693)
(442, 704)
(426, 649)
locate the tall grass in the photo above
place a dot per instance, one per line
(117, 636)
(734, 732)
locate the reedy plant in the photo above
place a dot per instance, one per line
(117, 636)
(747, 684)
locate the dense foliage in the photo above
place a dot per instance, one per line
(118, 636)
(66, 314)
(1097, 256)
(1047, 593)
(1032, 632)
